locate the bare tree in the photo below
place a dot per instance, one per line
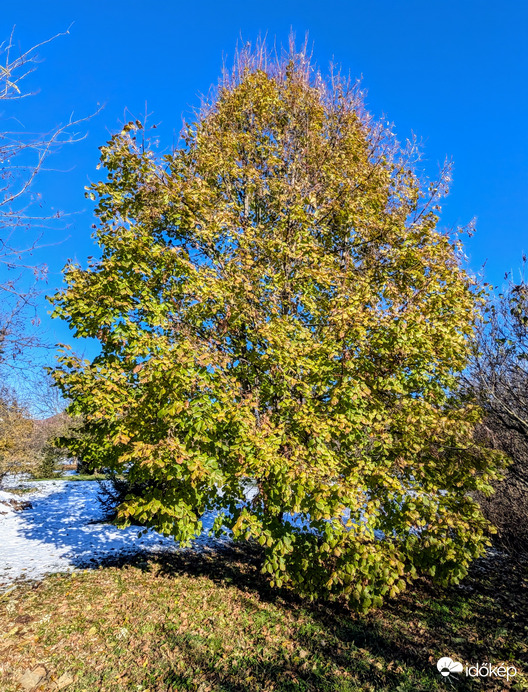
(500, 372)
(499, 378)
(22, 157)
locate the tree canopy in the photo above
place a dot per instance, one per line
(282, 324)
(16, 436)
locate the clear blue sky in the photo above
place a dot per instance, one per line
(453, 72)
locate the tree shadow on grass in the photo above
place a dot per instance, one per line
(393, 648)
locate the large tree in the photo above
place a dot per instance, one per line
(282, 324)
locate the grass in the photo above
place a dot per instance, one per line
(22, 490)
(76, 477)
(210, 622)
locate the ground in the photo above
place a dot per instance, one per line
(207, 620)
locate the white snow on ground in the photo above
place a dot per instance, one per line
(55, 534)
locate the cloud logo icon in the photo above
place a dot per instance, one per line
(446, 666)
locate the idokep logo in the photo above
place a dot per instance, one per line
(446, 666)
(486, 670)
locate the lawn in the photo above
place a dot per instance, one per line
(209, 621)
(73, 477)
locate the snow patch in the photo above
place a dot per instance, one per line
(57, 534)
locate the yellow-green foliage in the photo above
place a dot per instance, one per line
(16, 430)
(277, 309)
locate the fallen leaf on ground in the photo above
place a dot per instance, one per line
(64, 680)
(31, 678)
